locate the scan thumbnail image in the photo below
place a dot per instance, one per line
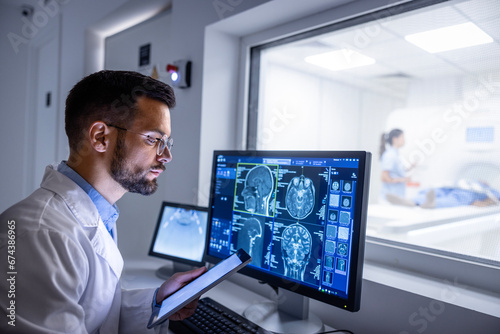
(297, 251)
(347, 186)
(335, 185)
(345, 217)
(346, 202)
(253, 235)
(333, 215)
(255, 189)
(341, 265)
(342, 249)
(302, 192)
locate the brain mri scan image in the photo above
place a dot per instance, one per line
(347, 186)
(296, 249)
(250, 239)
(346, 201)
(258, 189)
(342, 249)
(333, 215)
(300, 197)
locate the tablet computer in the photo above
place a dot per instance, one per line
(198, 286)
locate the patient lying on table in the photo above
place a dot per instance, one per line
(465, 193)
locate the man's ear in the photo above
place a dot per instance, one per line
(99, 136)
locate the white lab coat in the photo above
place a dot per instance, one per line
(67, 267)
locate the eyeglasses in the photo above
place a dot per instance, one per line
(163, 142)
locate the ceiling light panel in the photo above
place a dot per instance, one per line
(450, 38)
(340, 60)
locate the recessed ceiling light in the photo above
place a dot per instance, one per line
(340, 60)
(449, 38)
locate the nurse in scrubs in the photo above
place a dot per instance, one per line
(394, 177)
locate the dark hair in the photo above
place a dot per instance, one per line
(387, 139)
(111, 97)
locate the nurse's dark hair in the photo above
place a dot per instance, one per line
(111, 97)
(387, 138)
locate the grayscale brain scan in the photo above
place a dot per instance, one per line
(347, 186)
(296, 247)
(300, 197)
(258, 189)
(250, 239)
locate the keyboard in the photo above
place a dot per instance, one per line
(213, 318)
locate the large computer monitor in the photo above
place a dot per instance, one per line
(179, 235)
(302, 218)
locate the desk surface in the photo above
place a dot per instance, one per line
(142, 274)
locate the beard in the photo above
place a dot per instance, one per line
(134, 181)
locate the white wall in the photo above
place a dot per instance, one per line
(122, 49)
(13, 109)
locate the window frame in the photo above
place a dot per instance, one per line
(466, 272)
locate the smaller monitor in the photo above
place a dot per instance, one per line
(180, 236)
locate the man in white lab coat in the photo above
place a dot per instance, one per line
(58, 246)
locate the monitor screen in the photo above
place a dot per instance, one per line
(300, 215)
(180, 233)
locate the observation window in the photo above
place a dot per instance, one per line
(431, 71)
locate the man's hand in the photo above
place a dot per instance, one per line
(174, 283)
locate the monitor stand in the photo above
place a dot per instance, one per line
(164, 272)
(290, 314)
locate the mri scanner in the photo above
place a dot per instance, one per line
(447, 145)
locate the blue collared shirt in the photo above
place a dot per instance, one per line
(109, 213)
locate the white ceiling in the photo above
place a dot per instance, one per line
(396, 58)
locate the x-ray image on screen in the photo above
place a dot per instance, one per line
(181, 233)
(302, 193)
(251, 233)
(255, 189)
(293, 254)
